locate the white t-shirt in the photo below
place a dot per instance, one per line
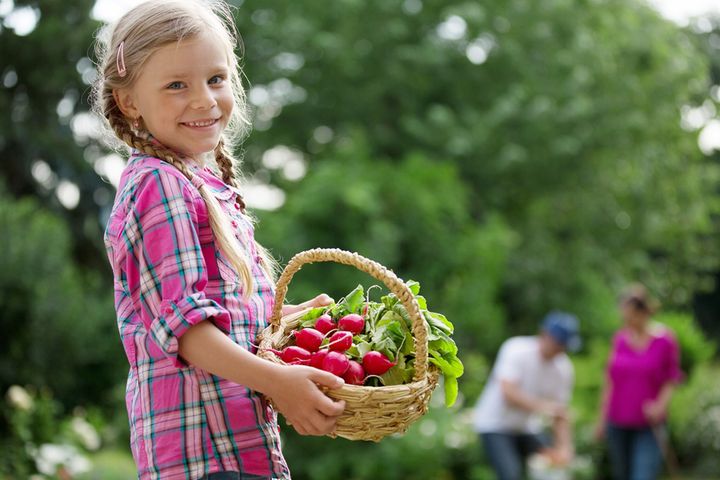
(519, 361)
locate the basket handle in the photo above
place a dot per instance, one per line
(372, 268)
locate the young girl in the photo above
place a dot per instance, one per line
(192, 286)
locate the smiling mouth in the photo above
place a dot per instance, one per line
(201, 123)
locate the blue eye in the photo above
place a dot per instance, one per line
(175, 85)
(216, 79)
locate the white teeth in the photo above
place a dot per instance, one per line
(206, 123)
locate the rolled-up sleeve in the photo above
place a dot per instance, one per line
(672, 371)
(166, 270)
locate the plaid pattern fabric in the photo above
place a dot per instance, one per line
(169, 275)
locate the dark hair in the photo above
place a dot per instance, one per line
(637, 296)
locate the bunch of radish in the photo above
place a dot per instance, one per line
(372, 343)
(326, 345)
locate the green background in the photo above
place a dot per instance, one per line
(512, 156)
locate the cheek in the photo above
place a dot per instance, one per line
(226, 102)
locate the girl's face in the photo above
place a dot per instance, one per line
(183, 94)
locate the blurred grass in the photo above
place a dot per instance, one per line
(116, 464)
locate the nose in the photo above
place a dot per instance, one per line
(202, 98)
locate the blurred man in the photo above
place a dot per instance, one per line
(531, 382)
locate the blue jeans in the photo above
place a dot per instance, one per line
(634, 453)
(507, 452)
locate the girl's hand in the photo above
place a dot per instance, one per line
(654, 412)
(297, 396)
(321, 300)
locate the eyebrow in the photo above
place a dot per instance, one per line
(183, 75)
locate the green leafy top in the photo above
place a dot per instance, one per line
(388, 330)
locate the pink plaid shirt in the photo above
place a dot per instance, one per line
(169, 275)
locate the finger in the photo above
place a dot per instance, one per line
(330, 408)
(325, 379)
(322, 300)
(321, 424)
(300, 428)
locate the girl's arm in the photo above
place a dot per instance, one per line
(656, 411)
(295, 390)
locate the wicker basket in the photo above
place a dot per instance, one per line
(371, 413)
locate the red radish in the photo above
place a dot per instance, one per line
(352, 323)
(324, 324)
(375, 363)
(317, 358)
(340, 341)
(293, 354)
(336, 363)
(355, 374)
(309, 339)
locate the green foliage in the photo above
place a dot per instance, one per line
(57, 320)
(31, 419)
(391, 213)
(111, 465)
(695, 421)
(513, 156)
(40, 439)
(45, 78)
(441, 445)
(695, 348)
(568, 126)
(590, 370)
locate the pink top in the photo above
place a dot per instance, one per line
(169, 275)
(637, 376)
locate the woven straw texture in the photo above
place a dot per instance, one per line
(371, 413)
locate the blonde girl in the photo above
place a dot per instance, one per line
(192, 286)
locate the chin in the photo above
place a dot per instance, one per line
(201, 151)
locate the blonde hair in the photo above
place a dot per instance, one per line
(142, 31)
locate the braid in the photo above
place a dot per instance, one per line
(219, 222)
(226, 163)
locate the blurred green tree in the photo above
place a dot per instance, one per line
(512, 156)
(561, 116)
(707, 36)
(45, 138)
(412, 216)
(56, 319)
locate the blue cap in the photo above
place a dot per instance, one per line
(563, 327)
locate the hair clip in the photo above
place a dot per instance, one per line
(120, 60)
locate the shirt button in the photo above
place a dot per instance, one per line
(169, 310)
(238, 206)
(234, 224)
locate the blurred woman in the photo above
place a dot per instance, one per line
(643, 369)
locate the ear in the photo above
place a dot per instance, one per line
(126, 103)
